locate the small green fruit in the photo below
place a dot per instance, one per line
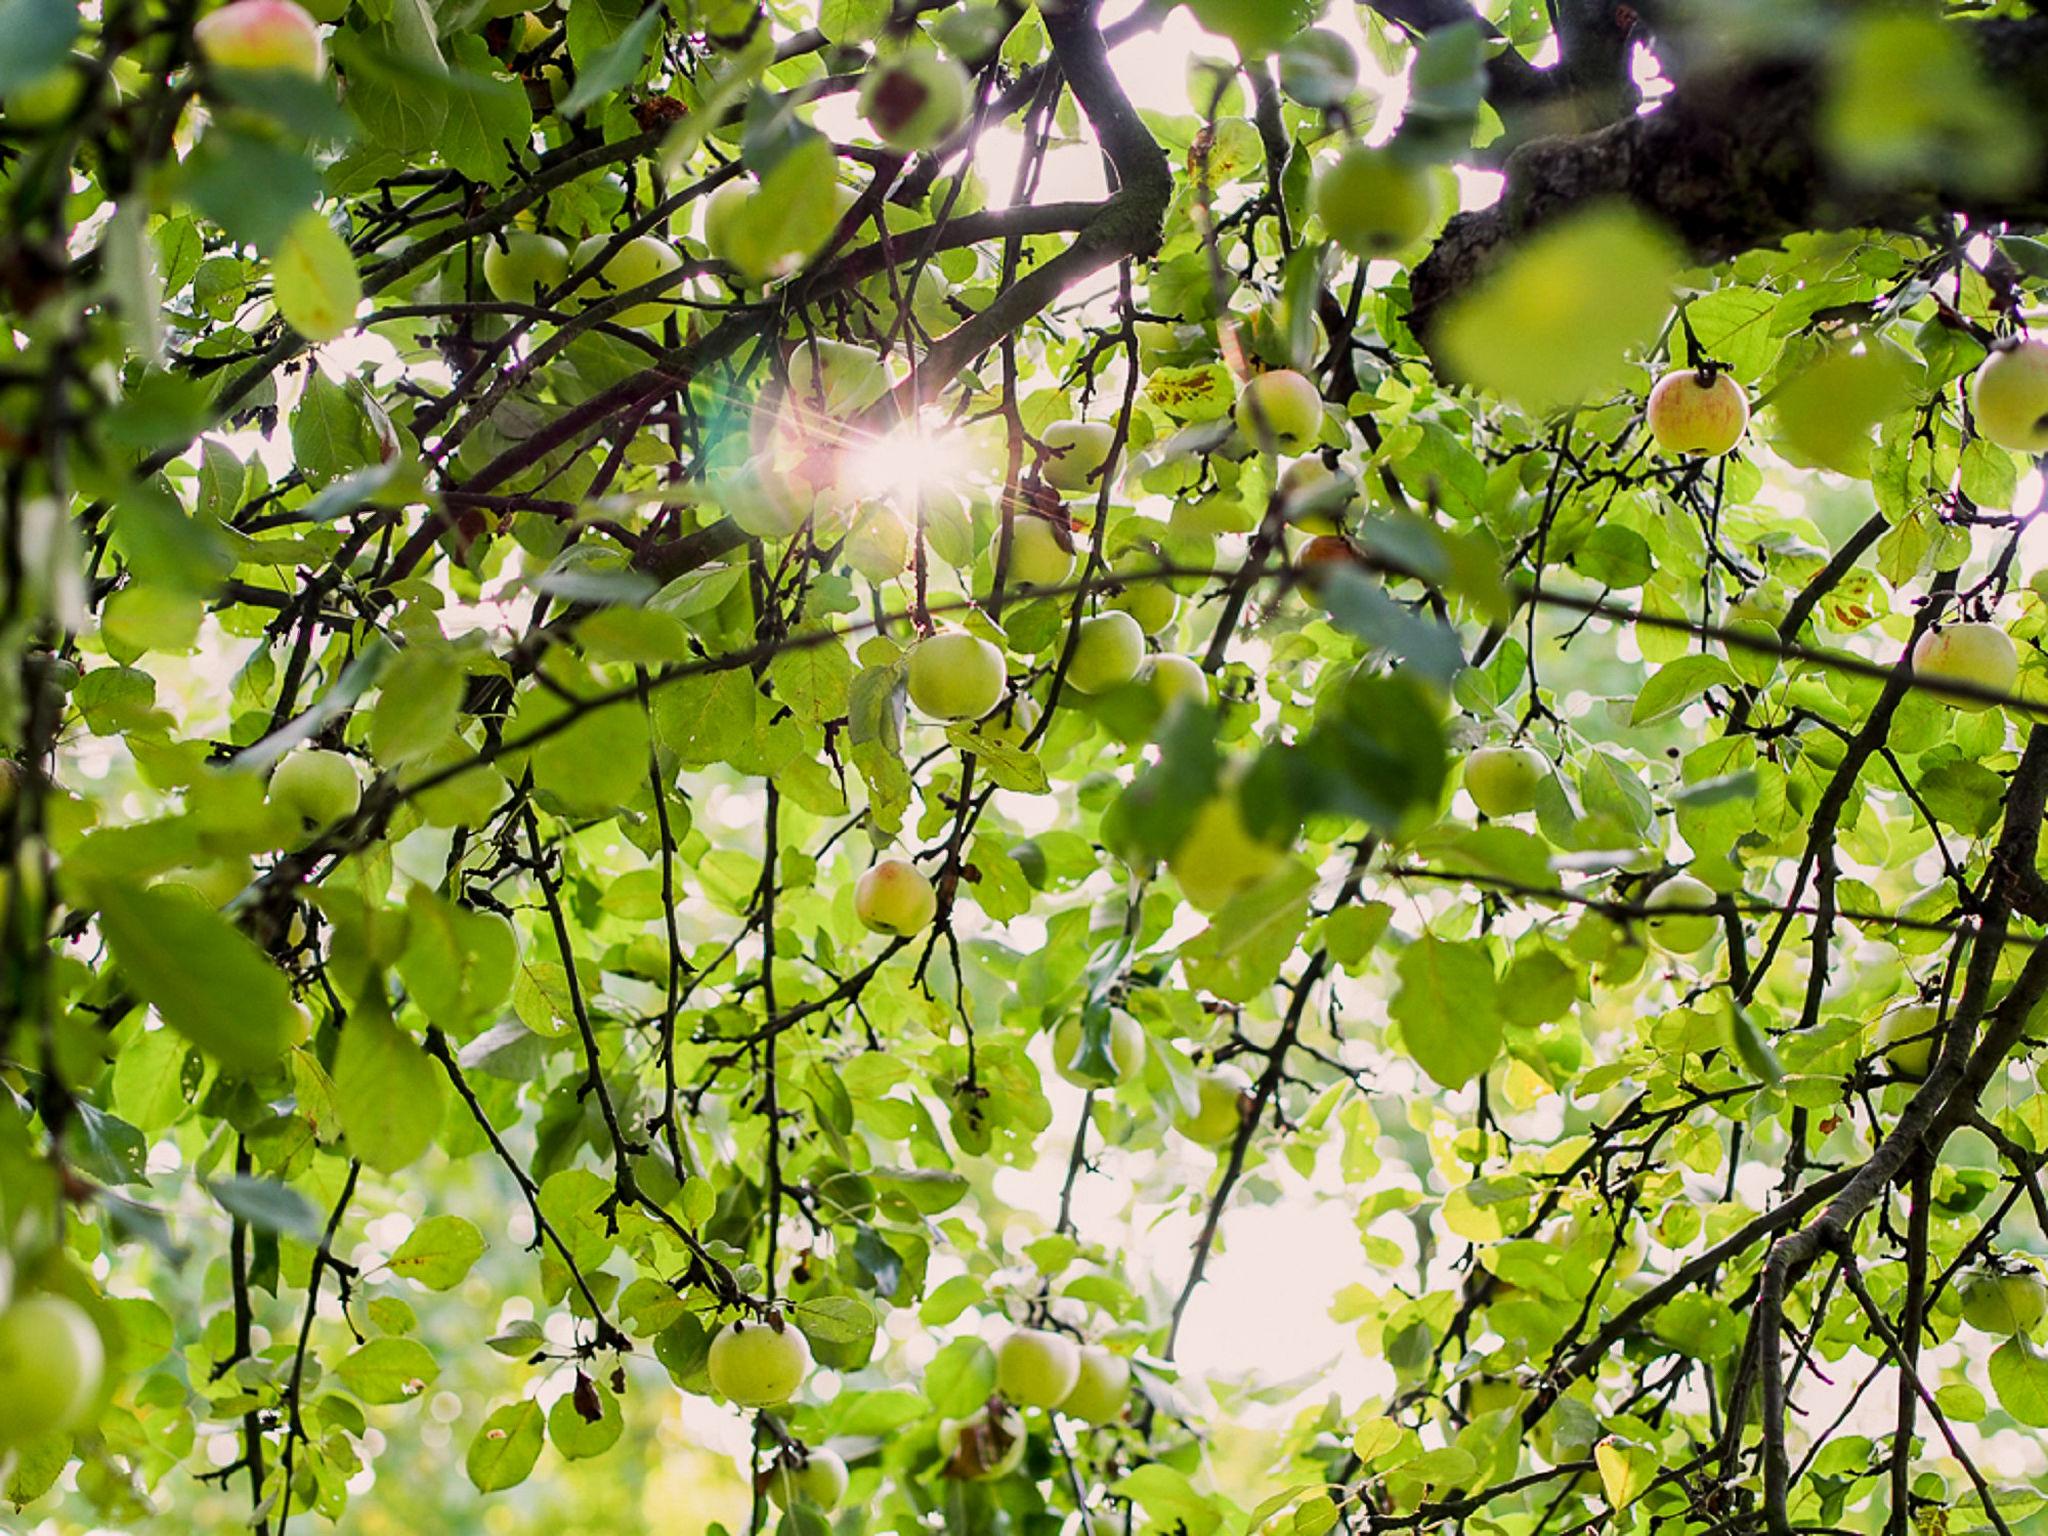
(956, 676)
(1037, 1369)
(1219, 1111)
(1979, 654)
(1126, 1049)
(1502, 781)
(318, 787)
(1907, 1036)
(2009, 397)
(51, 1359)
(633, 265)
(2010, 1304)
(1682, 931)
(524, 266)
(1174, 678)
(1041, 555)
(1372, 204)
(894, 897)
(1103, 1389)
(1076, 452)
(820, 1480)
(1108, 652)
(1281, 407)
(758, 1365)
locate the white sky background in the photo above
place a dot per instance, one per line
(1263, 1311)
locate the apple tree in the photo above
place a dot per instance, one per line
(727, 719)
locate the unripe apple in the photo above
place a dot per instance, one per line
(895, 897)
(261, 34)
(1979, 654)
(1108, 652)
(50, 1364)
(820, 1480)
(757, 1365)
(1692, 412)
(1372, 204)
(1219, 857)
(2009, 397)
(1502, 781)
(1075, 454)
(1285, 404)
(1037, 1369)
(2004, 1303)
(1315, 497)
(1907, 1036)
(524, 266)
(48, 99)
(1682, 932)
(1219, 1111)
(837, 378)
(915, 102)
(1040, 553)
(1103, 1388)
(1126, 1049)
(985, 1447)
(879, 545)
(318, 787)
(1174, 678)
(956, 676)
(636, 263)
(1145, 595)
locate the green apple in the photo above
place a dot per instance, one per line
(895, 897)
(1037, 1369)
(758, 1365)
(1174, 678)
(51, 1359)
(1075, 454)
(633, 265)
(879, 544)
(836, 378)
(985, 1447)
(1689, 928)
(1373, 204)
(317, 786)
(1103, 1388)
(820, 1478)
(1220, 1105)
(1996, 1302)
(915, 102)
(1978, 654)
(48, 99)
(1041, 553)
(1258, 27)
(1907, 1036)
(2009, 396)
(956, 676)
(1218, 857)
(1697, 412)
(261, 34)
(1502, 781)
(1316, 498)
(1145, 595)
(1318, 68)
(522, 266)
(1281, 408)
(1108, 652)
(1126, 1049)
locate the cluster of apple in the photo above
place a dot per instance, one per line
(51, 1364)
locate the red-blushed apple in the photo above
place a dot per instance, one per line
(1103, 1389)
(1502, 780)
(524, 265)
(1681, 923)
(1697, 411)
(261, 34)
(633, 265)
(1981, 655)
(1075, 454)
(894, 897)
(2009, 396)
(915, 102)
(1282, 409)
(1219, 1111)
(1372, 203)
(758, 1365)
(1041, 554)
(1036, 1368)
(1126, 1049)
(1108, 652)
(956, 676)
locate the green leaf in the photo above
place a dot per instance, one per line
(439, 1252)
(389, 1371)
(488, 111)
(506, 1446)
(1676, 684)
(614, 66)
(2019, 1377)
(269, 1206)
(35, 38)
(1446, 1007)
(207, 981)
(314, 271)
(387, 1090)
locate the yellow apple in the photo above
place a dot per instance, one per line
(956, 676)
(261, 34)
(1283, 409)
(895, 897)
(1041, 553)
(758, 1365)
(1978, 654)
(1502, 781)
(1373, 204)
(1694, 412)
(2009, 396)
(51, 1359)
